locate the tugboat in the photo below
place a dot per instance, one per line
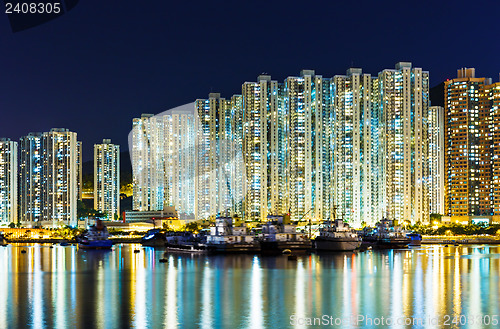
(226, 238)
(278, 234)
(3, 240)
(154, 238)
(386, 236)
(96, 237)
(336, 236)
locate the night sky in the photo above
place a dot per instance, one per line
(105, 62)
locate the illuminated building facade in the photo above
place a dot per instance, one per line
(404, 102)
(107, 179)
(436, 160)
(30, 179)
(358, 160)
(308, 103)
(8, 181)
(468, 157)
(163, 160)
(148, 163)
(304, 146)
(263, 149)
(60, 177)
(219, 168)
(492, 92)
(180, 164)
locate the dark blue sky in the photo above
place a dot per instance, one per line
(105, 62)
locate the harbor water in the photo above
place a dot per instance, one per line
(431, 286)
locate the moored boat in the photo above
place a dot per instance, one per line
(278, 234)
(96, 237)
(337, 236)
(386, 235)
(224, 237)
(154, 238)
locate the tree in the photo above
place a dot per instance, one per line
(12, 225)
(192, 227)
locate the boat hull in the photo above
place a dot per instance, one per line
(188, 247)
(387, 243)
(100, 244)
(154, 242)
(322, 244)
(234, 248)
(277, 247)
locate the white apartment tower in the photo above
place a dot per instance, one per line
(404, 102)
(357, 169)
(30, 179)
(310, 150)
(60, 175)
(180, 164)
(148, 162)
(436, 160)
(8, 181)
(219, 176)
(263, 149)
(107, 179)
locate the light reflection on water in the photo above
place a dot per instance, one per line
(63, 287)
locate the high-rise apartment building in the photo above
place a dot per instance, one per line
(492, 92)
(180, 167)
(219, 169)
(148, 162)
(107, 178)
(263, 150)
(8, 181)
(162, 154)
(436, 156)
(60, 177)
(49, 172)
(308, 102)
(358, 160)
(468, 153)
(30, 179)
(404, 102)
(309, 145)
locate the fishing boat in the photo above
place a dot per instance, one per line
(386, 235)
(185, 242)
(225, 237)
(336, 235)
(154, 238)
(96, 237)
(278, 234)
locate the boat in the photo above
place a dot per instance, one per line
(278, 234)
(336, 235)
(3, 240)
(385, 235)
(96, 237)
(185, 242)
(416, 239)
(225, 237)
(154, 238)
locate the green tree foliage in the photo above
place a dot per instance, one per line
(457, 229)
(83, 211)
(192, 227)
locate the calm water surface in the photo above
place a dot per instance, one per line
(63, 287)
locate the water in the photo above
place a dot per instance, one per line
(63, 287)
